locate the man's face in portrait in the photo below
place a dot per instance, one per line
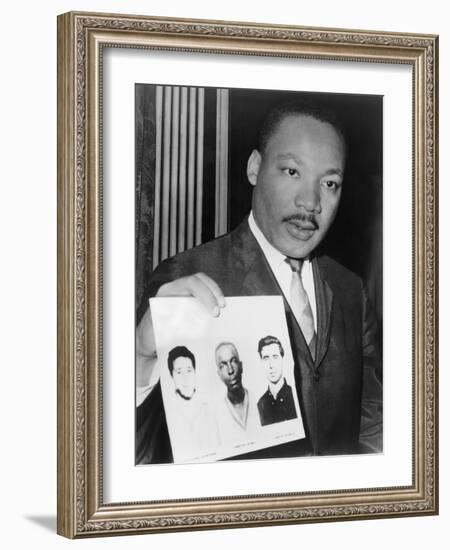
(229, 367)
(272, 361)
(183, 375)
(297, 178)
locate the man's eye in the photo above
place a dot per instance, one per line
(330, 184)
(291, 172)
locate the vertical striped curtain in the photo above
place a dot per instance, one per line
(178, 171)
(179, 182)
(173, 139)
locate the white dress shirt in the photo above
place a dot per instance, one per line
(234, 430)
(282, 271)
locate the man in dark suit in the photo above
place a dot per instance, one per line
(277, 403)
(297, 172)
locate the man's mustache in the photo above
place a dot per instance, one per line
(309, 219)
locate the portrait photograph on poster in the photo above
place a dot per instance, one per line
(247, 254)
(292, 182)
(226, 391)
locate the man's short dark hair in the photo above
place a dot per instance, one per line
(267, 341)
(176, 353)
(295, 108)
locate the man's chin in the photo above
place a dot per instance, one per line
(298, 250)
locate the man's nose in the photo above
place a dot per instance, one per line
(308, 195)
(230, 368)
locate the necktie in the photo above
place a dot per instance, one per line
(300, 304)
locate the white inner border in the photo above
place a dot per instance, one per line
(124, 482)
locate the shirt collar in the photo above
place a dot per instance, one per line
(245, 404)
(276, 389)
(273, 256)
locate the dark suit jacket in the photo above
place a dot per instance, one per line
(339, 392)
(273, 410)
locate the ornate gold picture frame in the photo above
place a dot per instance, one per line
(83, 40)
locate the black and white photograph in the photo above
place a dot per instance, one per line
(225, 391)
(257, 193)
(247, 273)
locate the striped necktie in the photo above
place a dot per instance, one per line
(300, 304)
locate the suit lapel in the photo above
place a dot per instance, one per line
(324, 305)
(252, 275)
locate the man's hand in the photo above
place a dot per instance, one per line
(198, 286)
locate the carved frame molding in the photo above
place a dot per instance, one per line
(81, 37)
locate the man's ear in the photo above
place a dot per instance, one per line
(253, 164)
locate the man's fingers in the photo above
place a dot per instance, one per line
(199, 286)
(201, 290)
(214, 288)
